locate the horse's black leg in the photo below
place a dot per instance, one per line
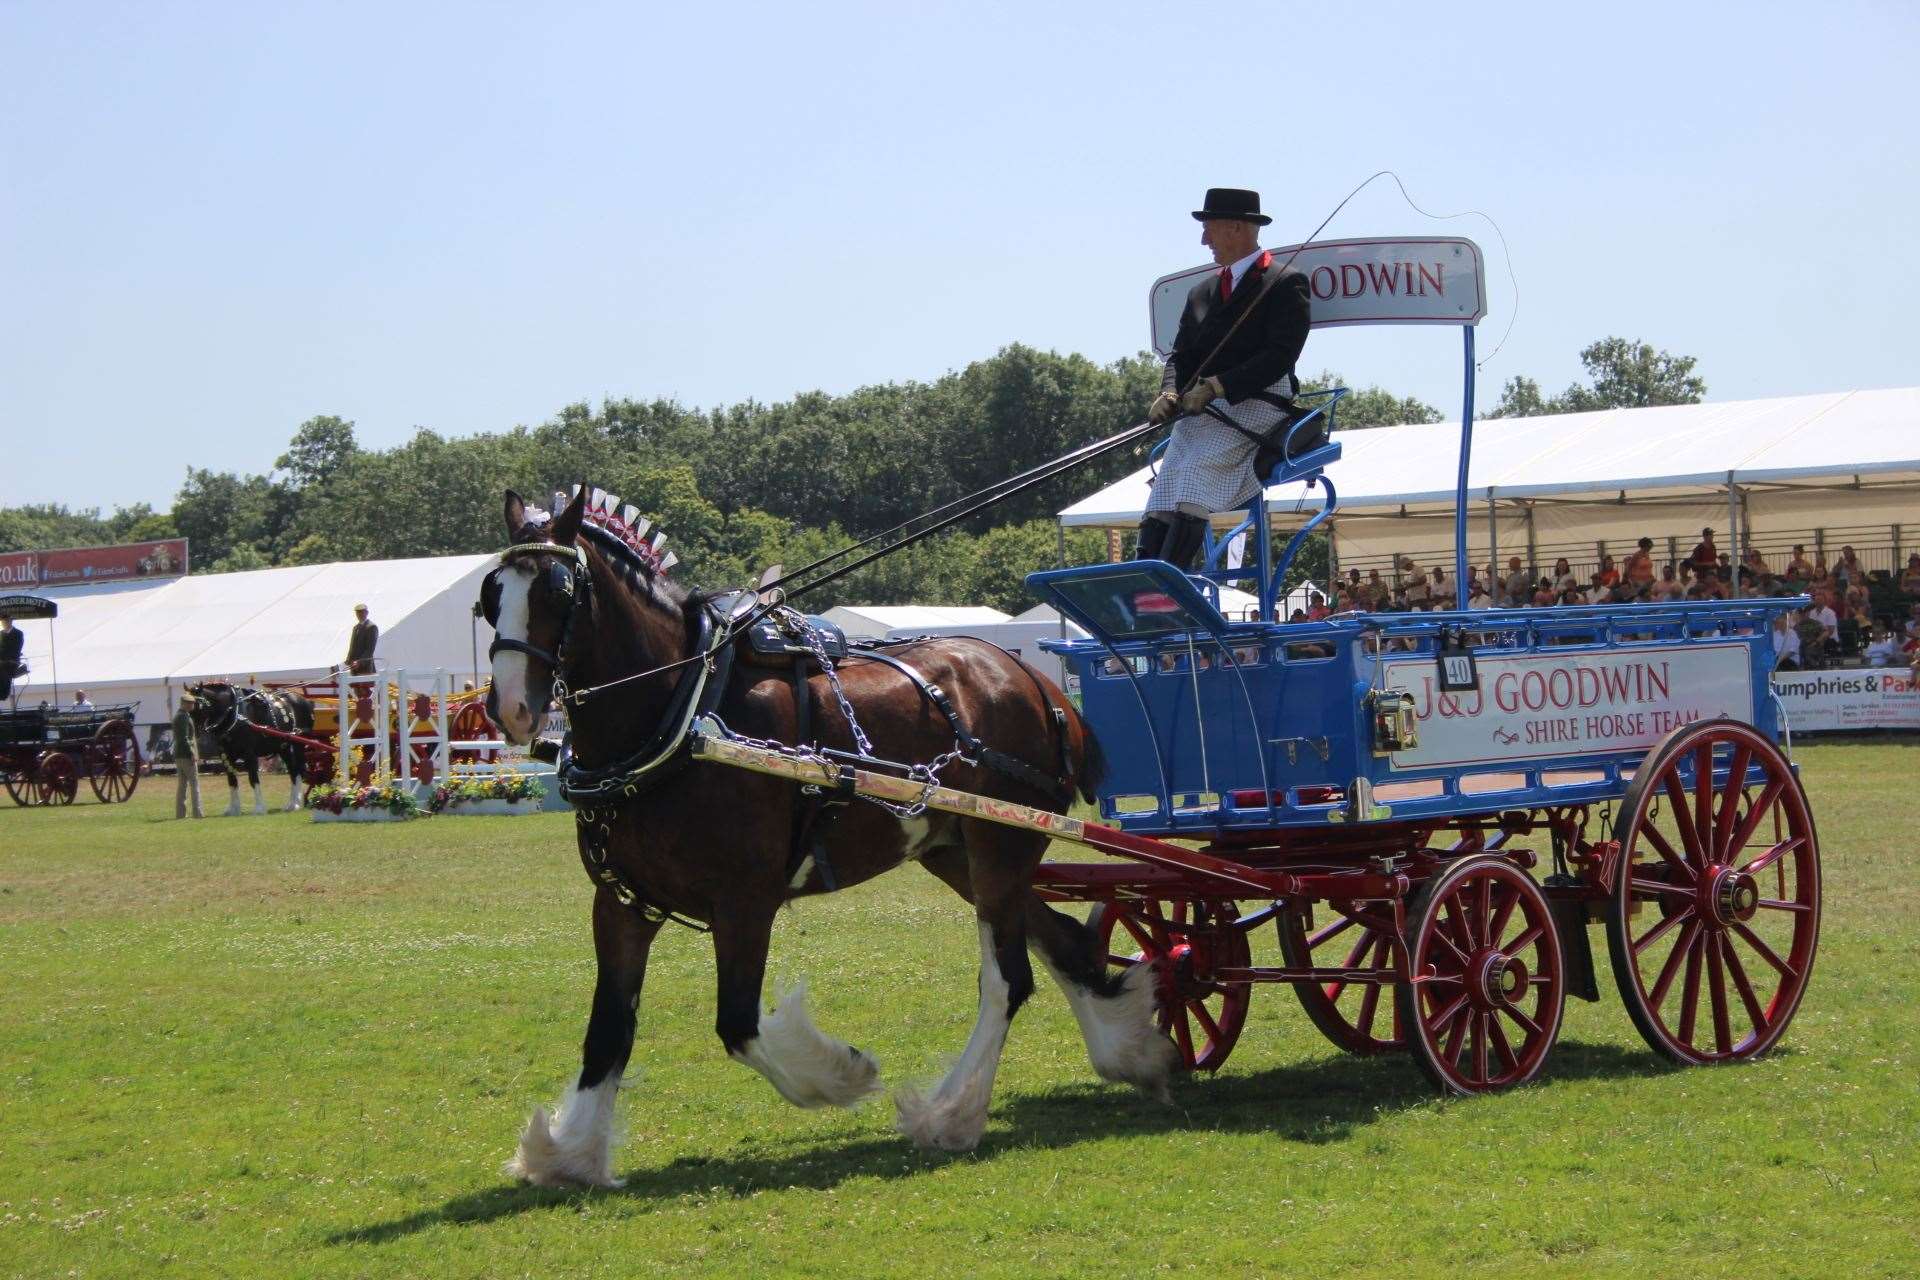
(576, 1144)
(1115, 1010)
(807, 1066)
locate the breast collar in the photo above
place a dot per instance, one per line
(696, 692)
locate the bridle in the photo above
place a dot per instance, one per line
(565, 575)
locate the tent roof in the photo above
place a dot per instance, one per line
(1616, 452)
(265, 622)
(888, 617)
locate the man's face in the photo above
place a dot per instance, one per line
(1229, 238)
(360, 615)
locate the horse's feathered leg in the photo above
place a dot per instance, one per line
(296, 762)
(1115, 1011)
(574, 1144)
(807, 1066)
(233, 785)
(953, 1115)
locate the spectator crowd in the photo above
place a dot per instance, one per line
(1870, 618)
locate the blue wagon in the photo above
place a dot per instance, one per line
(1421, 816)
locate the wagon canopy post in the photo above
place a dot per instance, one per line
(1466, 456)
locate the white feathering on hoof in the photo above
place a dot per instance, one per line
(953, 1116)
(809, 1067)
(1123, 1044)
(573, 1147)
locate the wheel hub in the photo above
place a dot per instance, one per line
(1499, 979)
(1732, 896)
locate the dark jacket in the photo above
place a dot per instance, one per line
(360, 647)
(12, 644)
(1260, 351)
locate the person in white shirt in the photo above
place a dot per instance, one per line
(1442, 592)
(1786, 644)
(81, 702)
(1885, 650)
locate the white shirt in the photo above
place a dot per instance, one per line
(1786, 644)
(1239, 268)
(1824, 616)
(1880, 652)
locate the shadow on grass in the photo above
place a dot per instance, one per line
(1325, 1100)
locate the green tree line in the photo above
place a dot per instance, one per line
(736, 488)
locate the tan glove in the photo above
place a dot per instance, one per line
(1162, 407)
(1200, 395)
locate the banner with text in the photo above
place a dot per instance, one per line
(1415, 280)
(70, 565)
(1543, 705)
(1863, 698)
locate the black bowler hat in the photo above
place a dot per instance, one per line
(1232, 202)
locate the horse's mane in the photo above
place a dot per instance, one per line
(634, 570)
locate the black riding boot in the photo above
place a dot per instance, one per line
(1153, 536)
(1184, 539)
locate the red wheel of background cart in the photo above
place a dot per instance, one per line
(1730, 867)
(470, 724)
(317, 767)
(113, 762)
(55, 779)
(1488, 987)
(1186, 943)
(20, 788)
(1361, 1017)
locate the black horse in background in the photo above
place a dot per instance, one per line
(233, 715)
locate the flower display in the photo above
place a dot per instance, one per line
(383, 793)
(511, 787)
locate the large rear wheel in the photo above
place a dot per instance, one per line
(1186, 943)
(1715, 913)
(55, 779)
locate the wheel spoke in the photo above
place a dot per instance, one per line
(1480, 1047)
(1524, 1020)
(1457, 1038)
(1462, 940)
(1183, 1033)
(1658, 995)
(1682, 818)
(1738, 972)
(1140, 932)
(1369, 1002)
(1777, 904)
(1660, 888)
(1774, 855)
(1766, 952)
(1532, 935)
(1503, 917)
(1737, 839)
(1329, 932)
(1501, 1047)
(1690, 991)
(1653, 935)
(1205, 1019)
(1717, 990)
(1437, 1023)
(1730, 800)
(1665, 850)
(1483, 910)
(1125, 962)
(1703, 799)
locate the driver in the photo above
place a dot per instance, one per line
(13, 643)
(1208, 465)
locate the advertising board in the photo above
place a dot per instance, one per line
(1856, 698)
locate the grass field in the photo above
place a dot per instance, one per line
(260, 1047)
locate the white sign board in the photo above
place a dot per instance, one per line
(1417, 280)
(1861, 698)
(1538, 706)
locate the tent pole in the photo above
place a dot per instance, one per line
(53, 658)
(1493, 547)
(1733, 537)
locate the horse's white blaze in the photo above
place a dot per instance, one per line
(519, 719)
(1123, 1043)
(953, 1117)
(809, 1067)
(572, 1146)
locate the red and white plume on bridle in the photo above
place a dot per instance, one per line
(625, 525)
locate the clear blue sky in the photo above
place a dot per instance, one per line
(217, 221)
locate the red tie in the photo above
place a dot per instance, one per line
(1226, 283)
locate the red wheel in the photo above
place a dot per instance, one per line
(470, 724)
(113, 762)
(1354, 1015)
(56, 780)
(1186, 943)
(1715, 834)
(1484, 1006)
(20, 788)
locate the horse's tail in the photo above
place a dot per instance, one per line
(1093, 760)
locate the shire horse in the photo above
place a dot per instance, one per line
(719, 846)
(232, 715)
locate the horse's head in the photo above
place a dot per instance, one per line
(212, 704)
(528, 600)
